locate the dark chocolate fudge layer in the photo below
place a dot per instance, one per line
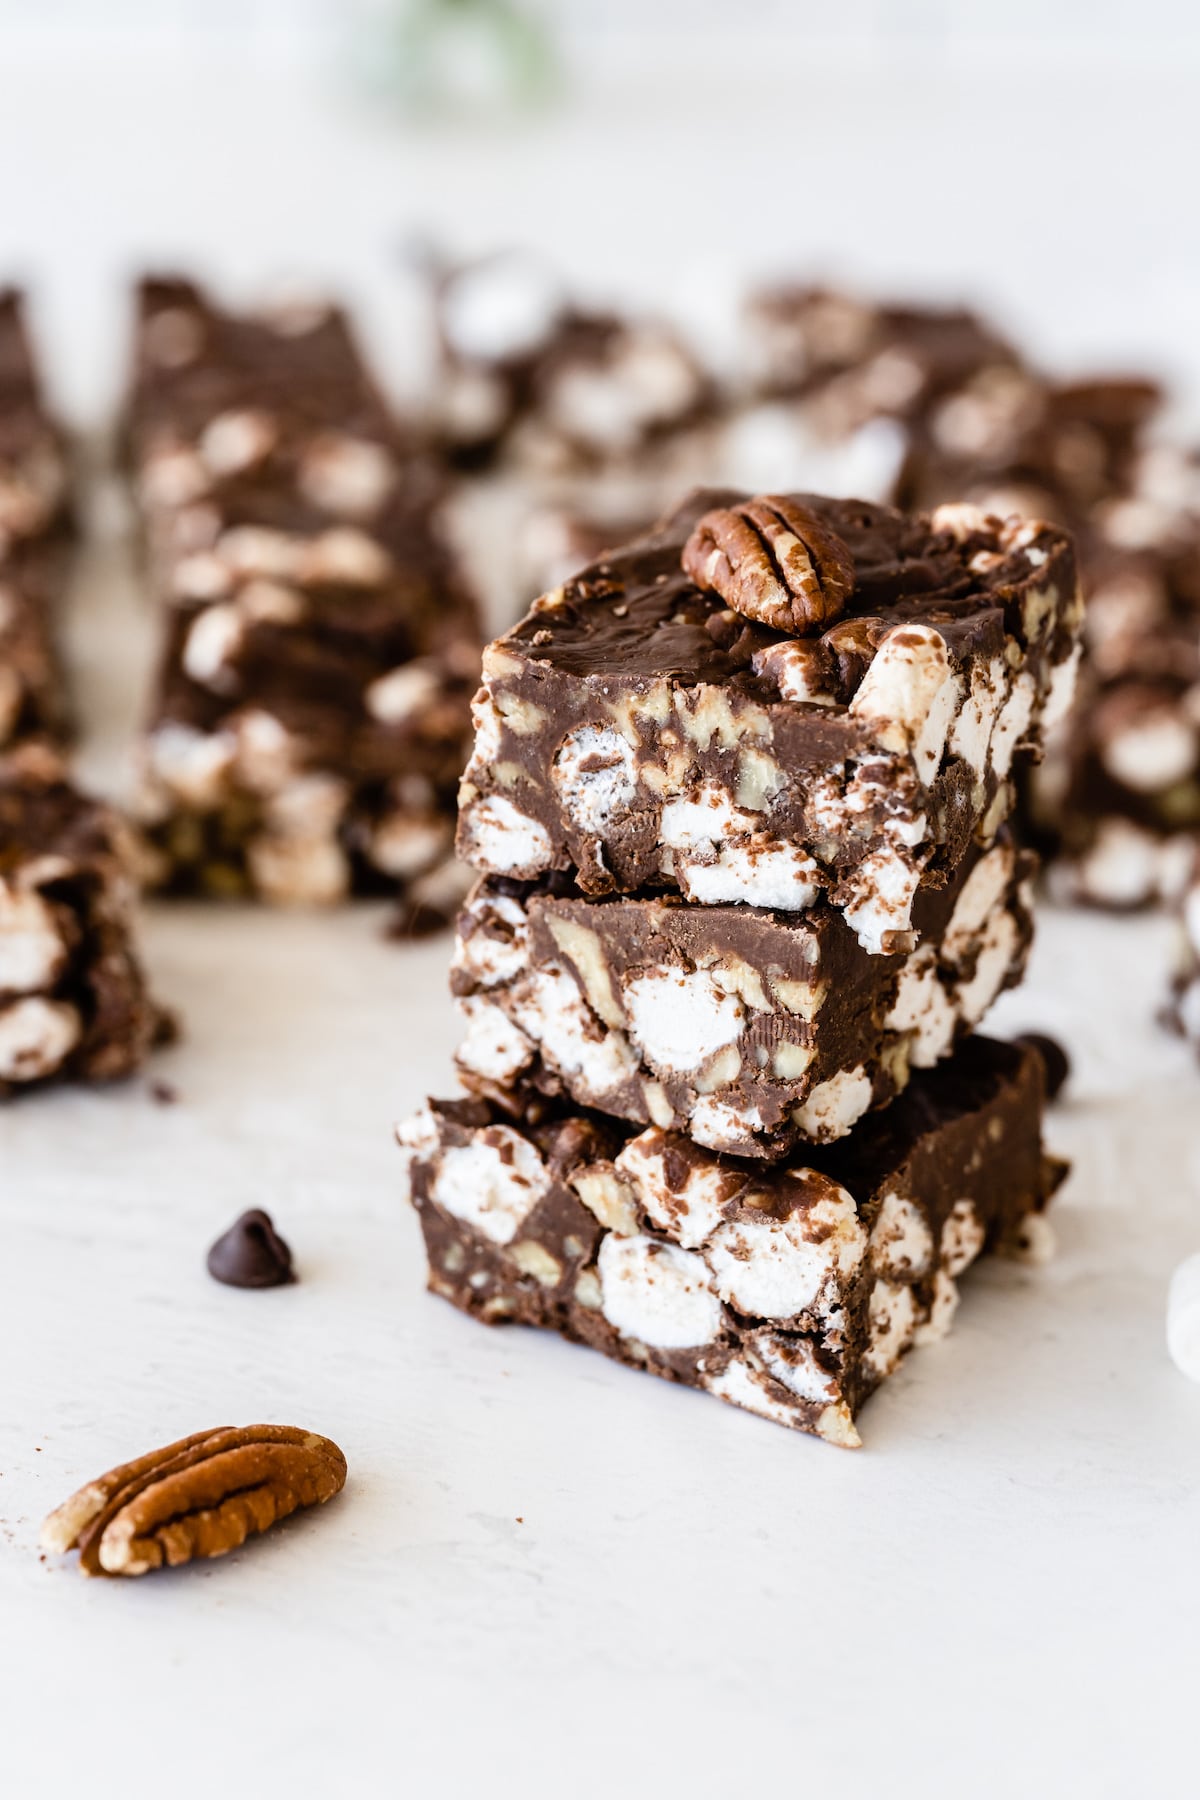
(750, 1029)
(321, 645)
(640, 731)
(73, 1001)
(792, 1291)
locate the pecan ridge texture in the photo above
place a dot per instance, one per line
(199, 1497)
(773, 560)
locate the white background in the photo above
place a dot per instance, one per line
(548, 1576)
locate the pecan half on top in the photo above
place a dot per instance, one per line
(773, 560)
(201, 1496)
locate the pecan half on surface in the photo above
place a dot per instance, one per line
(202, 1496)
(773, 560)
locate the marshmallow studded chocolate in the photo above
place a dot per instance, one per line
(638, 732)
(529, 379)
(321, 647)
(34, 540)
(791, 1291)
(1119, 794)
(73, 1001)
(752, 1030)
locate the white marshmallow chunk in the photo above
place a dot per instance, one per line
(595, 776)
(774, 1269)
(503, 839)
(36, 1037)
(656, 1293)
(681, 1020)
(493, 1183)
(32, 952)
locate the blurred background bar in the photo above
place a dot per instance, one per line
(1035, 159)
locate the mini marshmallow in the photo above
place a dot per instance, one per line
(492, 1183)
(235, 441)
(500, 836)
(778, 1268)
(36, 1037)
(595, 776)
(681, 1019)
(689, 1207)
(402, 692)
(346, 475)
(1183, 1317)
(657, 1293)
(32, 951)
(212, 645)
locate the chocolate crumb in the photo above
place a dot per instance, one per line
(251, 1254)
(1055, 1060)
(163, 1093)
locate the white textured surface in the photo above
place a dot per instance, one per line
(1015, 1543)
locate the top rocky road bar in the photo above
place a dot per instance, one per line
(647, 727)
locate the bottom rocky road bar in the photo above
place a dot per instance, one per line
(792, 1291)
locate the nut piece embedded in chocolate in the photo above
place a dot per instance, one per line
(202, 1496)
(251, 1254)
(773, 560)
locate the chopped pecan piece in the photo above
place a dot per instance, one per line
(202, 1496)
(773, 560)
(853, 644)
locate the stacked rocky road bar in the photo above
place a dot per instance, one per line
(35, 534)
(321, 647)
(73, 1001)
(738, 805)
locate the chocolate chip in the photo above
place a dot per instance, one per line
(251, 1254)
(1055, 1060)
(417, 919)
